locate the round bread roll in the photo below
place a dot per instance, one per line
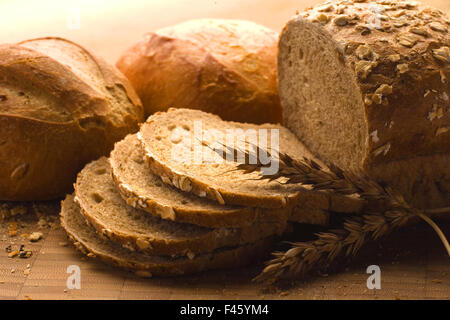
(366, 85)
(225, 67)
(60, 107)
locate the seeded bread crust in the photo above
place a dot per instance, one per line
(104, 209)
(87, 241)
(60, 107)
(389, 63)
(167, 130)
(226, 67)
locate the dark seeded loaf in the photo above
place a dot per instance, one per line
(366, 85)
(170, 152)
(88, 242)
(104, 209)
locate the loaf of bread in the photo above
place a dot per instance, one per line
(60, 107)
(226, 67)
(366, 85)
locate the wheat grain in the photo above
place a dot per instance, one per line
(391, 213)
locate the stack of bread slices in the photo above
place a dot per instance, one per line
(151, 209)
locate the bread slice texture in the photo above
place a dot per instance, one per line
(104, 208)
(145, 190)
(311, 216)
(88, 242)
(372, 98)
(177, 146)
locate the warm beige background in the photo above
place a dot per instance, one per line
(110, 26)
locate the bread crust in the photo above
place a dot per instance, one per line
(226, 67)
(402, 71)
(52, 122)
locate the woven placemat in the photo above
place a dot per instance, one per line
(413, 265)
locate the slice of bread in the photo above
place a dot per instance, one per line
(178, 147)
(145, 190)
(88, 242)
(104, 208)
(310, 216)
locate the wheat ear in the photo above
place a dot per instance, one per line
(355, 231)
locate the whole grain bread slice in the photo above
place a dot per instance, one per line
(104, 208)
(178, 146)
(145, 190)
(312, 216)
(88, 242)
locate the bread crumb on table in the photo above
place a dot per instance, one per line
(436, 281)
(35, 236)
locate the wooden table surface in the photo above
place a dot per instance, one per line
(413, 265)
(413, 262)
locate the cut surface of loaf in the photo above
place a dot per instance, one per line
(60, 108)
(87, 241)
(178, 147)
(372, 94)
(145, 190)
(226, 67)
(104, 209)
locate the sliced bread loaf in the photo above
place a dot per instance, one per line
(88, 242)
(104, 208)
(145, 190)
(178, 147)
(365, 85)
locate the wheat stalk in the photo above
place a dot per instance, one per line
(355, 231)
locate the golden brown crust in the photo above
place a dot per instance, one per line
(176, 68)
(52, 122)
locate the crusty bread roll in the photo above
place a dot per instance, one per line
(225, 67)
(365, 85)
(60, 107)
